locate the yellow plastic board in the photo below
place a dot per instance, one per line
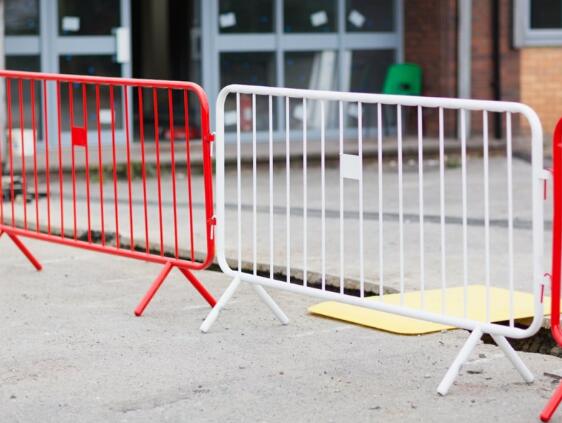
(454, 300)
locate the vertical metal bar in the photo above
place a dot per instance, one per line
(271, 243)
(380, 192)
(1, 177)
(288, 187)
(173, 158)
(100, 165)
(10, 150)
(462, 114)
(73, 163)
(342, 195)
(509, 154)
(129, 172)
(254, 188)
(400, 200)
(442, 208)
(114, 154)
(143, 160)
(34, 129)
(323, 190)
(486, 214)
(304, 192)
(188, 163)
(239, 182)
(158, 169)
(361, 235)
(61, 182)
(421, 208)
(87, 158)
(47, 164)
(22, 152)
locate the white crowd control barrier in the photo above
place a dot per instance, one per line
(386, 221)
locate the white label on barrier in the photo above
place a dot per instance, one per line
(319, 18)
(105, 116)
(71, 23)
(356, 18)
(351, 166)
(230, 118)
(227, 20)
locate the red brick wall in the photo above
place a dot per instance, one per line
(482, 57)
(430, 41)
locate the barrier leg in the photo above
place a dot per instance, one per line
(24, 250)
(462, 356)
(514, 358)
(266, 298)
(153, 289)
(223, 300)
(552, 405)
(199, 286)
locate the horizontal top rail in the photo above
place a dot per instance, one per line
(129, 82)
(403, 100)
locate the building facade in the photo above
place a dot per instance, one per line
(514, 45)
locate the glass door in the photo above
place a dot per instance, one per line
(90, 38)
(344, 45)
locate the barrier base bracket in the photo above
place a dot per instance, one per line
(467, 348)
(23, 249)
(225, 298)
(160, 280)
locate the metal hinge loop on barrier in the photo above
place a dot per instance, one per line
(546, 174)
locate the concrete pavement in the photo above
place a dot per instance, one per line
(73, 351)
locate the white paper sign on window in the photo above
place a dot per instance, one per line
(230, 118)
(71, 23)
(298, 112)
(227, 20)
(105, 116)
(356, 18)
(353, 110)
(319, 18)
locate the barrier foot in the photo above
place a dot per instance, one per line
(514, 358)
(462, 356)
(198, 286)
(24, 250)
(153, 289)
(223, 300)
(266, 298)
(552, 405)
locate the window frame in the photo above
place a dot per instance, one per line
(525, 36)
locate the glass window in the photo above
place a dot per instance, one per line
(316, 70)
(366, 73)
(248, 16)
(309, 16)
(370, 15)
(21, 17)
(90, 65)
(368, 69)
(89, 17)
(546, 14)
(30, 64)
(248, 68)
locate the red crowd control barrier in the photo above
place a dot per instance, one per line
(554, 402)
(110, 165)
